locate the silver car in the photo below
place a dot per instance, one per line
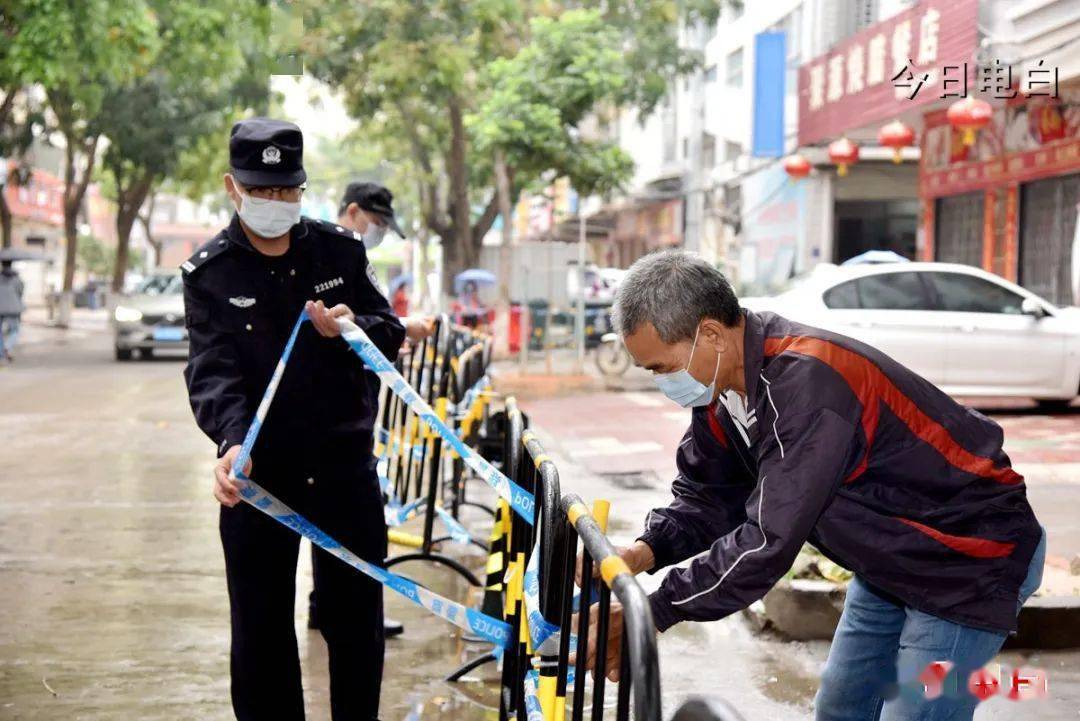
(151, 318)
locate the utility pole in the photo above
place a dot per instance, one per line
(579, 320)
(695, 177)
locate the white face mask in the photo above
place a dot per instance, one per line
(685, 389)
(268, 218)
(374, 235)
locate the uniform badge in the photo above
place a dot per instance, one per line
(271, 155)
(242, 301)
(371, 276)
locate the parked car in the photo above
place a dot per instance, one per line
(970, 332)
(151, 318)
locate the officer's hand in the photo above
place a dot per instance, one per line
(227, 488)
(324, 319)
(417, 328)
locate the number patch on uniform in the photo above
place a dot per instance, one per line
(328, 284)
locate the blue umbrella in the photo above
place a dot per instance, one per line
(873, 257)
(479, 276)
(400, 280)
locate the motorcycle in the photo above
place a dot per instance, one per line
(612, 358)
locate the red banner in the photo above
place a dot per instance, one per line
(852, 85)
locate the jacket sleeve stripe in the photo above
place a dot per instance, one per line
(776, 413)
(872, 387)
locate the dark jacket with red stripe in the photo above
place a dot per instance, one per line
(851, 451)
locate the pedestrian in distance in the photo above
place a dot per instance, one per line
(11, 309)
(243, 292)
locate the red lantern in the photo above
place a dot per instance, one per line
(969, 115)
(796, 166)
(896, 135)
(843, 152)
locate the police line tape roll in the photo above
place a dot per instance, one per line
(518, 498)
(484, 626)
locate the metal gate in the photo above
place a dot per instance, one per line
(1047, 228)
(958, 237)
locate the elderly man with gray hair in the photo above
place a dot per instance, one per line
(802, 435)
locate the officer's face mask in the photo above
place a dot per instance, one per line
(685, 389)
(268, 218)
(374, 235)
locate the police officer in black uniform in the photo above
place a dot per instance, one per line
(243, 291)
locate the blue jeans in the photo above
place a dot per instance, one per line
(9, 334)
(879, 644)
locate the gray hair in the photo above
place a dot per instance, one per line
(673, 290)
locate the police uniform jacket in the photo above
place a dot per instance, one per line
(241, 305)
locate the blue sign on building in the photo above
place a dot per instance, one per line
(770, 72)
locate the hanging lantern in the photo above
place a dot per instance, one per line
(969, 115)
(843, 152)
(796, 166)
(897, 136)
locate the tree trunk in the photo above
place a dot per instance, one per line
(147, 218)
(129, 201)
(458, 250)
(5, 220)
(502, 308)
(74, 192)
(5, 209)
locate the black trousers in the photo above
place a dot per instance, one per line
(260, 565)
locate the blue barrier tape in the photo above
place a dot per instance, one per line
(470, 620)
(457, 532)
(540, 629)
(518, 498)
(532, 702)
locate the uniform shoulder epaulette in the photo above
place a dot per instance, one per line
(215, 247)
(327, 226)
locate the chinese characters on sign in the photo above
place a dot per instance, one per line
(995, 79)
(862, 67)
(878, 72)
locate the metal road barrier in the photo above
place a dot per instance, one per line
(639, 670)
(419, 472)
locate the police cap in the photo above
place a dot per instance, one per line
(267, 152)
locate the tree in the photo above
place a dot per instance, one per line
(430, 71)
(73, 49)
(188, 95)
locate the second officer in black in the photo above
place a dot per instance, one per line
(243, 292)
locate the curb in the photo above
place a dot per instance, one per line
(808, 610)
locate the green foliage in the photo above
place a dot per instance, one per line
(190, 94)
(539, 97)
(94, 256)
(528, 74)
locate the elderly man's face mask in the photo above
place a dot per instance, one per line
(678, 370)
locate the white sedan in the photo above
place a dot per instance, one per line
(969, 332)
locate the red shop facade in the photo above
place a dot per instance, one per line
(1009, 202)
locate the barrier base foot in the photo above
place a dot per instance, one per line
(450, 563)
(471, 665)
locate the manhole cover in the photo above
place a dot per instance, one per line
(633, 480)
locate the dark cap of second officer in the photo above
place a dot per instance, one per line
(267, 152)
(373, 198)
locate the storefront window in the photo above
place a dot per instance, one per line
(864, 225)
